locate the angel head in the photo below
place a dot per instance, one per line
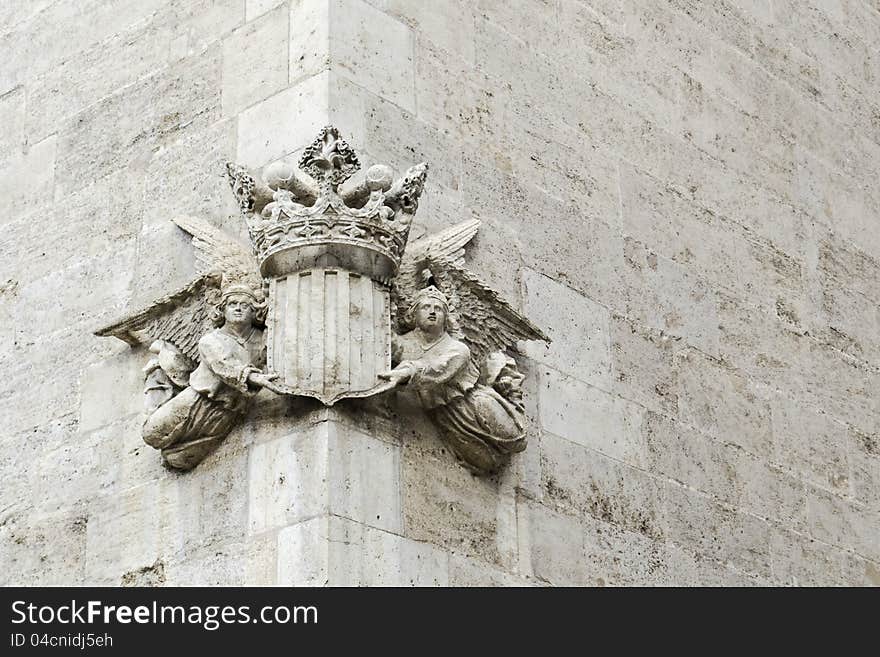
(237, 302)
(429, 311)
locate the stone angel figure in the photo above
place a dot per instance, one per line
(452, 360)
(209, 352)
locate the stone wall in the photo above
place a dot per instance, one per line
(683, 194)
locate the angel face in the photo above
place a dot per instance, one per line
(430, 316)
(239, 309)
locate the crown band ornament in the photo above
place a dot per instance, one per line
(297, 222)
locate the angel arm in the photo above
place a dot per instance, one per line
(225, 364)
(429, 370)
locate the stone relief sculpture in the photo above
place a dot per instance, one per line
(209, 352)
(328, 303)
(451, 358)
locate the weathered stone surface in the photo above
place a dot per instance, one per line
(324, 470)
(448, 506)
(123, 129)
(282, 123)
(569, 318)
(12, 119)
(582, 482)
(590, 417)
(684, 200)
(333, 551)
(255, 61)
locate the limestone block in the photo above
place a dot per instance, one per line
(717, 531)
(255, 61)
(47, 549)
(665, 295)
(797, 560)
(838, 384)
(45, 38)
(556, 548)
(547, 246)
(282, 123)
(685, 567)
(496, 254)
(395, 135)
(200, 23)
(860, 572)
(578, 327)
(373, 50)
(209, 506)
(243, 563)
(534, 22)
(643, 363)
(580, 481)
(188, 178)
(721, 403)
(864, 460)
(108, 276)
(310, 26)
(590, 417)
(764, 346)
(812, 444)
(18, 457)
(348, 108)
(37, 167)
(723, 471)
(446, 505)
(304, 553)
(364, 44)
(832, 519)
(454, 96)
(325, 469)
(124, 534)
(94, 73)
(363, 556)
(111, 390)
(465, 571)
(850, 322)
(338, 552)
(616, 557)
(13, 13)
(449, 23)
(122, 129)
(12, 119)
(164, 263)
(254, 8)
(98, 218)
(707, 243)
(496, 54)
(364, 474)
(83, 466)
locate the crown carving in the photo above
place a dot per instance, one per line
(307, 218)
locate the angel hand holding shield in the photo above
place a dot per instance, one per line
(453, 361)
(209, 350)
(190, 423)
(480, 425)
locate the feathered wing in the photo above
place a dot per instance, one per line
(486, 321)
(184, 316)
(180, 318)
(448, 244)
(218, 252)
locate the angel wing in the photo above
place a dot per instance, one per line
(487, 323)
(218, 252)
(448, 244)
(184, 316)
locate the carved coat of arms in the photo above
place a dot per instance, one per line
(330, 303)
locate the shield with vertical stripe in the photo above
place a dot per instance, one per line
(329, 334)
